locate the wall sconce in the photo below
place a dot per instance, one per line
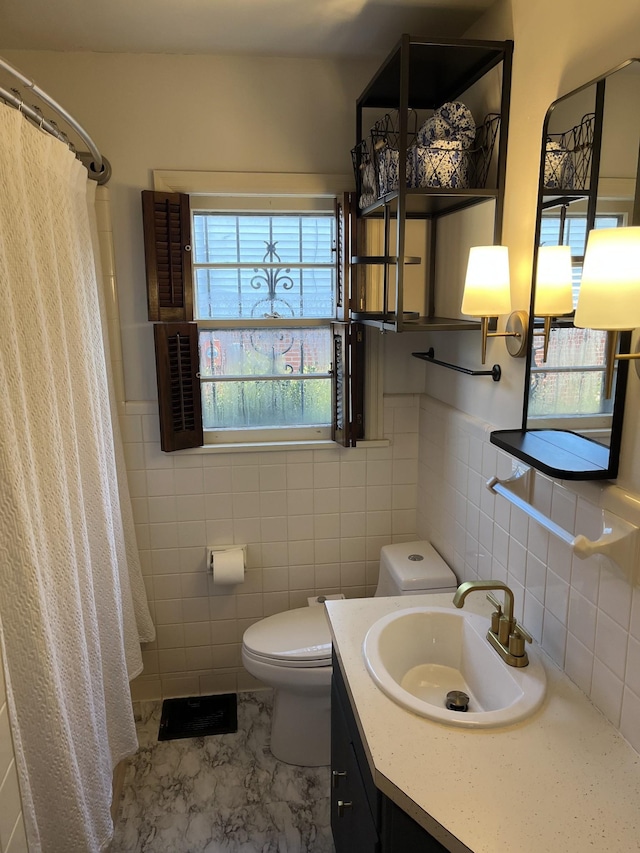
(487, 294)
(553, 293)
(609, 296)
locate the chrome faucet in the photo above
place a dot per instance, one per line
(505, 634)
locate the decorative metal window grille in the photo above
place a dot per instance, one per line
(264, 296)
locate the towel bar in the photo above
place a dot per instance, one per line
(618, 540)
(429, 355)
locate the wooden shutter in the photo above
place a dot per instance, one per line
(347, 385)
(348, 337)
(344, 226)
(167, 245)
(179, 400)
(357, 348)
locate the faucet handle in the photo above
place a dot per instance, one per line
(517, 639)
(491, 597)
(522, 632)
(497, 613)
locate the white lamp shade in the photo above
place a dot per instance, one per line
(610, 287)
(487, 289)
(553, 295)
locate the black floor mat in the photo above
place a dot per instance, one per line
(199, 716)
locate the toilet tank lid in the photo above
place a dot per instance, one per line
(417, 565)
(301, 634)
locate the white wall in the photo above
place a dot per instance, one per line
(314, 522)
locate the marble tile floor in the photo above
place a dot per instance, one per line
(220, 794)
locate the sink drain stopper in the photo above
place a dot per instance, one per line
(457, 700)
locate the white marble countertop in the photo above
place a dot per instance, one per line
(564, 779)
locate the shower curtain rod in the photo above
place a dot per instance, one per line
(97, 166)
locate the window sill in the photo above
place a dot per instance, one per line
(266, 446)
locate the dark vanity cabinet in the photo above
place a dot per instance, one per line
(355, 801)
(363, 819)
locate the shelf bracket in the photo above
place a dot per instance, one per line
(429, 355)
(618, 540)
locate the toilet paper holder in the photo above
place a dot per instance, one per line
(217, 549)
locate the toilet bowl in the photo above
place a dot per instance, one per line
(291, 652)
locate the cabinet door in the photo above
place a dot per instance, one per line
(401, 834)
(352, 823)
(362, 819)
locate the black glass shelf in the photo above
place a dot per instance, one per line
(423, 202)
(558, 453)
(383, 259)
(413, 323)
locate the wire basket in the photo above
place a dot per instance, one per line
(567, 158)
(448, 163)
(483, 147)
(385, 136)
(376, 158)
(365, 172)
(443, 163)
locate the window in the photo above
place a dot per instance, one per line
(571, 381)
(265, 360)
(276, 272)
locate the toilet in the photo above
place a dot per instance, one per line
(291, 652)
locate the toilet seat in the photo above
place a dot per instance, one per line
(287, 663)
(294, 638)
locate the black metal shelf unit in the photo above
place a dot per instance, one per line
(423, 74)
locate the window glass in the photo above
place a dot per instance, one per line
(571, 381)
(261, 404)
(261, 266)
(247, 238)
(264, 268)
(264, 292)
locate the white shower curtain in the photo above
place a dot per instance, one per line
(72, 606)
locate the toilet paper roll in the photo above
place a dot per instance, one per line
(228, 566)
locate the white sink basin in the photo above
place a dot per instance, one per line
(416, 656)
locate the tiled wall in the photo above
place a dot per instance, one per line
(12, 835)
(314, 522)
(585, 615)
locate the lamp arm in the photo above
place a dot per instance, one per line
(515, 333)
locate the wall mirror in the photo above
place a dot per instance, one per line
(588, 179)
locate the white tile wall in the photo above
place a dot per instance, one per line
(313, 520)
(585, 615)
(12, 834)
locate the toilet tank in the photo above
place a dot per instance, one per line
(413, 568)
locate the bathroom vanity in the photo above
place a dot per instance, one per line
(562, 779)
(362, 817)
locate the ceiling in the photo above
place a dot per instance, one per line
(312, 28)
